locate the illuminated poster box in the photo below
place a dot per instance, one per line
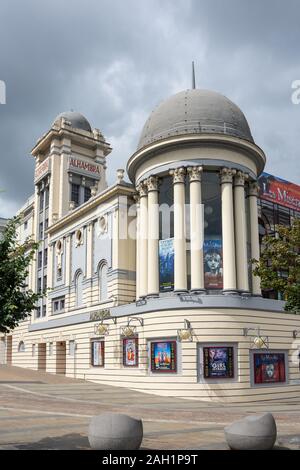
(130, 352)
(98, 353)
(166, 265)
(213, 264)
(218, 362)
(269, 368)
(164, 356)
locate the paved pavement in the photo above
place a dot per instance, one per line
(45, 411)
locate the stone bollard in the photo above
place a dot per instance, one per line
(252, 433)
(115, 431)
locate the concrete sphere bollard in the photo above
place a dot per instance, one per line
(115, 431)
(252, 433)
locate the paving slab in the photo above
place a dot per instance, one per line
(45, 411)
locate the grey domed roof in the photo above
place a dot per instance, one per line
(195, 112)
(77, 120)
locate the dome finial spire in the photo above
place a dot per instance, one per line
(193, 76)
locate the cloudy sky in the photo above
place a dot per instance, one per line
(114, 60)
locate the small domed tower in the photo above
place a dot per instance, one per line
(196, 150)
(70, 165)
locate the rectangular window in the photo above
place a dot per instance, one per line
(40, 259)
(38, 312)
(97, 353)
(269, 368)
(41, 200)
(47, 197)
(41, 231)
(46, 224)
(130, 352)
(45, 283)
(44, 310)
(58, 305)
(218, 362)
(72, 348)
(45, 256)
(87, 194)
(39, 284)
(164, 356)
(75, 191)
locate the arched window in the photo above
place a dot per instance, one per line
(102, 279)
(21, 346)
(78, 288)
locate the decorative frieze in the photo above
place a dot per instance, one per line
(142, 189)
(226, 175)
(100, 315)
(253, 188)
(178, 175)
(195, 173)
(152, 183)
(240, 178)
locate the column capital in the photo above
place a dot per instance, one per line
(152, 183)
(178, 175)
(226, 175)
(142, 189)
(195, 173)
(239, 178)
(253, 188)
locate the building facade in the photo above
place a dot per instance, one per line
(149, 283)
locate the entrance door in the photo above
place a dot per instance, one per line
(2, 351)
(9, 350)
(61, 357)
(42, 357)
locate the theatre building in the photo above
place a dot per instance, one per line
(150, 285)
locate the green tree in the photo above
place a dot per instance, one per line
(16, 300)
(279, 264)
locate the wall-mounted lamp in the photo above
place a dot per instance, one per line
(186, 333)
(296, 333)
(258, 341)
(130, 330)
(102, 328)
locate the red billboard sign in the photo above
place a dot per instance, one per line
(279, 191)
(76, 163)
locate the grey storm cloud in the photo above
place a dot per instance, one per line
(115, 60)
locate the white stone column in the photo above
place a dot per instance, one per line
(137, 241)
(50, 283)
(240, 232)
(89, 250)
(254, 237)
(153, 236)
(68, 257)
(196, 229)
(229, 268)
(143, 233)
(89, 259)
(180, 271)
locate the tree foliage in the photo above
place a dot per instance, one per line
(279, 264)
(16, 300)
